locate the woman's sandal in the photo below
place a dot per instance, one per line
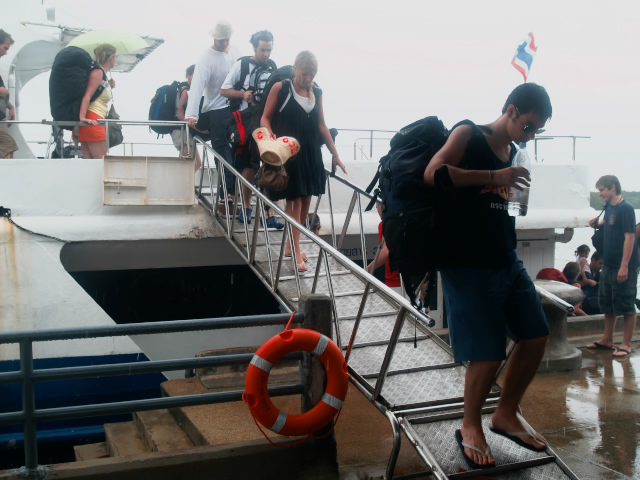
(228, 200)
(302, 268)
(302, 254)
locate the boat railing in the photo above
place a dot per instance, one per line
(28, 376)
(74, 125)
(366, 142)
(542, 138)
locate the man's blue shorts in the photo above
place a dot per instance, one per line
(484, 306)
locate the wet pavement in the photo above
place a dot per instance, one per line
(591, 417)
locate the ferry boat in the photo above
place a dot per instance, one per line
(93, 251)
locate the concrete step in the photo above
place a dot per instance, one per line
(90, 451)
(232, 377)
(124, 440)
(224, 423)
(160, 431)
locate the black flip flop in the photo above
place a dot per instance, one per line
(626, 353)
(514, 437)
(599, 346)
(471, 463)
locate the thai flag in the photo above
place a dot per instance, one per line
(523, 58)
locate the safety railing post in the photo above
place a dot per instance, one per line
(384, 369)
(370, 143)
(317, 316)
(28, 407)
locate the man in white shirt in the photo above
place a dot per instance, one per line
(211, 70)
(243, 87)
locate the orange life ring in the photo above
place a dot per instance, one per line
(256, 395)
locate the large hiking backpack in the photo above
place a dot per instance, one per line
(283, 73)
(257, 80)
(164, 106)
(411, 211)
(68, 82)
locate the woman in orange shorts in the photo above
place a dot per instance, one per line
(94, 139)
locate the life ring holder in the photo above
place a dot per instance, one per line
(257, 397)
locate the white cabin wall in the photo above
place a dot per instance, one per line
(536, 248)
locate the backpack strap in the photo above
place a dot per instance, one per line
(244, 71)
(595, 225)
(288, 84)
(101, 87)
(376, 192)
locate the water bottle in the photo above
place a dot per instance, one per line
(518, 203)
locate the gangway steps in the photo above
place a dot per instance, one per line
(422, 375)
(435, 433)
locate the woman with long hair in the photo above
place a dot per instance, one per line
(301, 117)
(94, 138)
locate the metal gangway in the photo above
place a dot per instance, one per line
(395, 360)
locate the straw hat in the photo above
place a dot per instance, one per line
(275, 151)
(222, 30)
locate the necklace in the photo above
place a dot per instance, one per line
(618, 202)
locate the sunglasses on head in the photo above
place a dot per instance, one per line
(530, 127)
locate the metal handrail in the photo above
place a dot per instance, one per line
(107, 122)
(370, 139)
(28, 376)
(325, 249)
(574, 139)
(400, 302)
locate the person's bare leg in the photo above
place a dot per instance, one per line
(293, 210)
(629, 328)
(304, 209)
(479, 379)
(521, 368)
(304, 213)
(607, 336)
(86, 152)
(249, 175)
(96, 149)
(198, 162)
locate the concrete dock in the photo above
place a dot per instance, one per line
(589, 416)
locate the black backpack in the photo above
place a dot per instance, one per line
(281, 74)
(411, 211)
(257, 80)
(68, 81)
(164, 106)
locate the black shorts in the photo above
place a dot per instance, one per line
(246, 159)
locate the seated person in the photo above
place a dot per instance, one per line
(572, 271)
(568, 275)
(590, 302)
(582, 253)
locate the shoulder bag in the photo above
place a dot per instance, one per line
(272, 177)
(597, 239)
(115, 130)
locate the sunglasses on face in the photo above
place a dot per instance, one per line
(529, 127)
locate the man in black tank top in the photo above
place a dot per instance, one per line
(492, 296)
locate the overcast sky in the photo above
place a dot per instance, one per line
(383, 65)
